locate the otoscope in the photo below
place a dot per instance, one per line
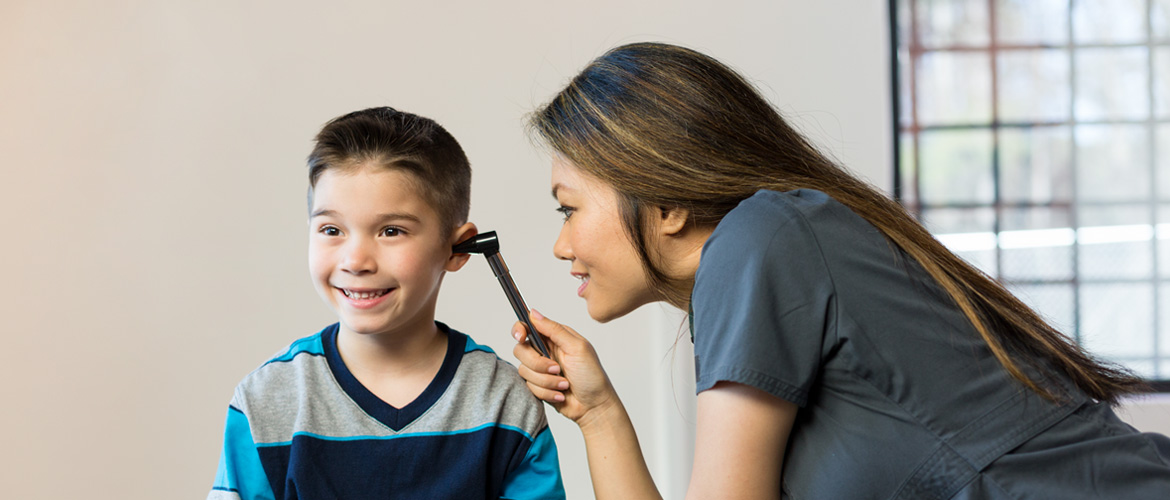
(489, 245)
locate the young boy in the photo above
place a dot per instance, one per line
(388, 402)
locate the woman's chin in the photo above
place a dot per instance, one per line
(606, 313)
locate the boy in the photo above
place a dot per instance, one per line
(388, 402)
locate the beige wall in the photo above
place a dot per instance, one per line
(154, 184)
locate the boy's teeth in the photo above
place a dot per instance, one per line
(364, 295)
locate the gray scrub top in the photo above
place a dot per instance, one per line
(899, 396)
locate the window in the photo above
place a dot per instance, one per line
(1034, 141)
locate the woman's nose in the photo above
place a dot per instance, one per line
(561, 248)
(359, 257)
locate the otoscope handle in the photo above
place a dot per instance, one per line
(500, 269)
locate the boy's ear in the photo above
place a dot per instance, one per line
(456, 261)
(672, 221)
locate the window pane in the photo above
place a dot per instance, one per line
(1112, 162)
(1035, 164)
(954, 88)
(1117, 320)
(1160, 19)
(1162, 232)
(1113, 242)
(1053, 302)
(969, 233)
(1164, 325)
(1034, 86)
(908, 169)
(1036, 244)
(906, 97)
(1112, 84)
(1109, 21)
(1163, 161)
(945, 23)
(1032, 22)
(956, 167)
(1162, 82)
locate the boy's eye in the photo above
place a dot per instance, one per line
(566, 211)
(329, 231)
(391, 231)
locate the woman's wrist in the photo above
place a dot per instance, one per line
(604, 418)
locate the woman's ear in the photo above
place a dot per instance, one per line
(672, 221)
(456, 261)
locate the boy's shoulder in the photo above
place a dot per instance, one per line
(487, 384)
(304, 357)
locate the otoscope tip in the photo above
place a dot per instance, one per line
(485, 243)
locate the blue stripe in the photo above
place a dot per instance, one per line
(539, 475)
(396, 436)
(308, 345)
(473, 346)
(239, 465)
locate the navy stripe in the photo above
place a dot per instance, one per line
(219, 488)
(466, 466)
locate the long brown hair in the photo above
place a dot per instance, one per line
(667, 126)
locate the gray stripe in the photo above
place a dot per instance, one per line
(301, 395)
(223, 495)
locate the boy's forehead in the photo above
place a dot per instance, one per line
(370, 191)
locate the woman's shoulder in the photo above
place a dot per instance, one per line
(768, 216)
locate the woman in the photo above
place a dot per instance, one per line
(841, 351)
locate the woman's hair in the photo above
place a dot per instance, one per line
(398, 140)
(669, 127)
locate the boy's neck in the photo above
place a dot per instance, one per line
(411, 353)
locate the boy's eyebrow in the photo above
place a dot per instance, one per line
(381, 217)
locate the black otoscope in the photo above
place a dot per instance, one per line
(489, 245)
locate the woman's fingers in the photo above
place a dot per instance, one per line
(543, 394)
(555, 332)
(528, 356)
(545, 380)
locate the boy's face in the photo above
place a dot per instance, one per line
(377, 252)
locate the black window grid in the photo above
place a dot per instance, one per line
(908, 191)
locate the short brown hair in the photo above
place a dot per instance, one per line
(399, 140)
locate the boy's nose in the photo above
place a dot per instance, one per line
(359, 257)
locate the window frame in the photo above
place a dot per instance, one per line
(914, 127)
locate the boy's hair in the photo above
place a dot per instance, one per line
(403, 141)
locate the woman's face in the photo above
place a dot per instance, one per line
(593, 240)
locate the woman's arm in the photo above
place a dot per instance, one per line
(616, 464)
(740, 438)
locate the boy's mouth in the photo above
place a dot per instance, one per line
(364, 294)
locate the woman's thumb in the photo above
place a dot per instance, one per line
(556, 332)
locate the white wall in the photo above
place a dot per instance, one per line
(153, 181)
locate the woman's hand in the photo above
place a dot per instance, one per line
(573, 381)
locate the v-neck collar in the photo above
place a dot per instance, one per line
(394, 418)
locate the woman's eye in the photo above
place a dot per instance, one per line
(566, 212)
(329, 231)
(391, 231)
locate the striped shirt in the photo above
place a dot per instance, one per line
(302, 426)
